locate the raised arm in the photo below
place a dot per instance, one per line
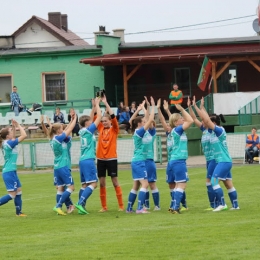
(151, 116)
(166, 108)
(98, 110)
(93, 110)
(139, 108)
(44, 129)
(22, 131)
(202, 107)
(161, 117)
(108, 108)
(192, 114)
(187, 118)
(204, 117)
(71, 125)
(147, 111)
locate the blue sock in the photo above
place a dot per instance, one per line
(58, 196)
(85, 195)
(219, 194)
(5, 199)
(141, 198)
(232, 193)
(18, 203)
(183, 200)
(146, 202)
(68, 202)
(156, 197)
(172, 198)
(64, 197)
(131, 200)
(80, 193)
(177, 198)
(211, 195)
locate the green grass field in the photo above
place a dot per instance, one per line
(195, 234)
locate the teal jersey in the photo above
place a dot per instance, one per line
(219, 145)
(179, 144)
(138, 145)
(10, 153)
(205, 143)
(169, 145)
(60, 150)
(148, 141)
(87, 142)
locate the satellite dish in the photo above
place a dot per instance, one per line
(256, 26)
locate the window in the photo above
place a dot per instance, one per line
(182, 79)
(54, 86)
(227, 82)
(5, 88)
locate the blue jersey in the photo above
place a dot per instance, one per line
(205, 143)
(179, 144)
(148, 141)
(10, 153)
(138, 145)
(219, 145)
(60, 151)
(87, 142)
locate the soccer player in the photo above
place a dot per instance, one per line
(9, 143)
(87, 166)
(207, 150)
(222, 171)
(179, 155)
(139, 173)
(62, 174)
(107, 156)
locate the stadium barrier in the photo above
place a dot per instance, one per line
(37, 155)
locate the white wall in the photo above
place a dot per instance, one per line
(230, 103)
(35, 36)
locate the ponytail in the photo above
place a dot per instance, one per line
(53, 129)
(217, 118)
(135, 122)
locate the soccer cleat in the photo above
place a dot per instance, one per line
(121, 209)
(156, 208)
(183, 209)
(130, 211)
(21, 215)
(70, 209)
(142, 211)
(220, 208)
(177, 211)
(170, 210)
(59, 211)
(102, 210)
(146, 208)
(81, 209)
(237, 208)
(209, 209)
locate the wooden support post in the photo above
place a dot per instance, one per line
(214, 77)
(254, 65)
(125, 84)
(222, 69)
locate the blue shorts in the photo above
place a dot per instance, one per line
(62, 176)
(88, 171)
(11, 181)
(138, 170)
(169, 174)
(223, 171)
(211, 165)
(151, 170)
(179, 170)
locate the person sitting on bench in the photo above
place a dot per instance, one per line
(252, 145)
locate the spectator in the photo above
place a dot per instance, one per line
(70, 116)
(58, 116)
(176, 97)
(119, 109)
(35, 107)
(16, 102)
(125, 117)
(132, 108)
(252, 144)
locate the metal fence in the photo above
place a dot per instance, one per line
(39, 154)
(245, 113)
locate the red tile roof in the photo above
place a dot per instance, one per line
(67, 37)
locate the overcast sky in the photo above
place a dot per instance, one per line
(85, 16)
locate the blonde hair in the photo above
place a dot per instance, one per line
(173, 119)
(53, 129)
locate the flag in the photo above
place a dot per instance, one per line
(204, 74)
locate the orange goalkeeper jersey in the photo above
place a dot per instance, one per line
(107, 141)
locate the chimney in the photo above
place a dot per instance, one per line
(102, 30)
(120, 33)
(64, 22)
(55, 19)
